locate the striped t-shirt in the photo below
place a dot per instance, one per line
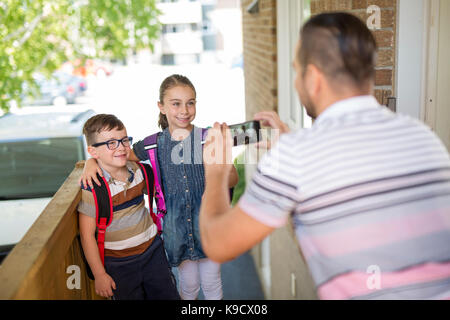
(132, 229)
(369, 196)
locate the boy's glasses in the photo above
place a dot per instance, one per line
(114, 143)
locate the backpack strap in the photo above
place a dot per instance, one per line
(204, 134)
(103, 212)
(147, 171)
(151, 146)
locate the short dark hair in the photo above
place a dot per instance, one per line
(98, 123)
(340, 45)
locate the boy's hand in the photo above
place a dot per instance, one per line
(91, 168)
(104, 285)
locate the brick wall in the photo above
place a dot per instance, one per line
(385, 37)
(260, 48)
(260, 57)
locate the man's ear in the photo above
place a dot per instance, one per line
(93, 152)
(161, 108)
(313, 80)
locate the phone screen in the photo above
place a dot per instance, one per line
(245, 133)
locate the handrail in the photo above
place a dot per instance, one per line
(48, 263)
(45, 264)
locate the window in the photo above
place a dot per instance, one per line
(37, 168)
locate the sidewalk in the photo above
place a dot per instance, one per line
(240, 280)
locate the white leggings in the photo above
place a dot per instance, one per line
(205, 272)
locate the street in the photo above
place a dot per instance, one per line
(132, 93)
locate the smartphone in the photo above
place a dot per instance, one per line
(245, 133)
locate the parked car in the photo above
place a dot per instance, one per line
(62, 88)
(97, 68)
(39, 147)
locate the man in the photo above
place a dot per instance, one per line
(367, 189)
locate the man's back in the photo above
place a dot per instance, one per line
(369, 192)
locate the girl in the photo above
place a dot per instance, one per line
(183, 183)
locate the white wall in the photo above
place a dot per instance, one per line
(289, 20)
(411, 44)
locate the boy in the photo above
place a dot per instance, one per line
(136, 266)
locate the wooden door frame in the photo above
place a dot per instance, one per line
(430, 64)
(290, 17)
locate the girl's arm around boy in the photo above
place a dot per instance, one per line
(91, 168)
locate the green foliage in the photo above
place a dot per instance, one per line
(239, 188)
(39, 35)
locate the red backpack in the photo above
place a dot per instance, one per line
(104, 209)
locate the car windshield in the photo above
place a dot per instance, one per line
(37, 168)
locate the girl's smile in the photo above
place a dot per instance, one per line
(179, 106)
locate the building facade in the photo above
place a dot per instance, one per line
(191, 28)
(181, 34)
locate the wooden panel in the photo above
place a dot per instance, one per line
(289, 268)
(36, 268)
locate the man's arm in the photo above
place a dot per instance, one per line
(228, 232)
(225, 232)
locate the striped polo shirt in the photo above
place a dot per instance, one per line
(368, 191)
(132, 229)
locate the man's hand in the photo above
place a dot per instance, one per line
(217, 155)
(91, 168)
(271, 119)
(219, 223)
(104, 285)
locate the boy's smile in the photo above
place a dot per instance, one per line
(111, 160)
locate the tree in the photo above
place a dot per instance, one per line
(39, 35)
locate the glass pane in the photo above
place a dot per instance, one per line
(37, 168)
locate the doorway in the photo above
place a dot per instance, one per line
(437, 98)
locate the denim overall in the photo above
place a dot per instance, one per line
(183, 179)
